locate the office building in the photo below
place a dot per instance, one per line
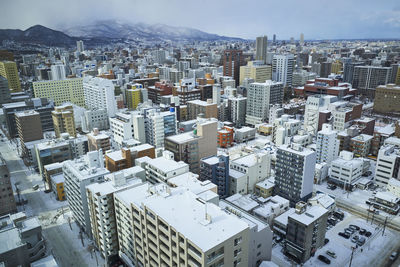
(216, 170)
(387, 99)
(21, 238)
(207, 108)
(5, 96)
(132, 97)
(387, 165)
(187, 91)
(326, 86)
(256, 70)
(63, 120)
(315, 113)
(306, 229)
(344, 114)
(294, 172)
(95, 119)
(58, 72)
(346, 170)
(360, 145)
(301, 39)
(98, 140)
(158, 126)
(8, 69)
(99, 94)
(29, 127)
(7, 200)
(367, 78)
(348, 70)
(237, 110)
(216, 242)
(78, 174)
(158, 90)
(79, 46)
(100, 197)
(261, 48)
(327, 144)
(259, 97)
(61, 91)
(190, 147)
(282, 69)
(232, 60)
(125, 158)
(300, 77)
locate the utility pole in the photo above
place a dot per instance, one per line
(351, 258)
(384, 226)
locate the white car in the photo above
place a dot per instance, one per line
(393, 256)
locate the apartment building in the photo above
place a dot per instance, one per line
(61, 91)
(327, 144)
(237, 110)
(282, 69)
(99, 94)
(256, 70)
(316, 112)
(368, 78)
(283, 128)
(161, 221)
(207, 108)
(95, 119)
(163, 168)
(125, 158)
(98, 140)
(158, 90)
(216, 169)
(100, 197)
(7, 200)
(360, 145)
(29, 127)
(387, 99)
(78, 174)
(63, 120)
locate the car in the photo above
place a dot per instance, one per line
(324, 259)
(368, 234)
(354, 239)
(339, 215)
(362, 231)
(355, 227)
(326, 241)
(35, 187)
(345, 235)
(393, 256)
(361, 241)
(349, 230)
(331, 253)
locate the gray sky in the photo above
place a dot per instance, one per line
(317, 19)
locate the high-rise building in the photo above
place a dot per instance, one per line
(79, 46)
(367, 78)
(7, 200)
(348, 70)
(387, 165)
(63, 120)
(8, 69)
(99, 94)
(387, 99)
(306, 229)
(216, 170)
(157, 126)
(132, 98)
(78, 174)
(261, 48)
(327, 144)
(294, 172)
(5, 96)
(257, 71)
(274, 39)
(61, 91)
(301, 38)
(282, 69)
(237, 110)
(29, 127)
(259, 97)
(232, 60)
(58, 72)
(326, 69)
(175, 212)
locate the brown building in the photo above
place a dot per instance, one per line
(326, 86)
(50, 170)
(207, 108)
(29, 127)
(206, 92)
(186, 93)
(125, 158)
(63, 120)
(232, 60)
(6, 55)
(360, 145)
(365, 125)
(98, 140)
(381, 133)
(387, 99)
(159, 89)
(146, 82)
(345, 136)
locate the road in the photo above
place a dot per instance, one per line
(58, 240)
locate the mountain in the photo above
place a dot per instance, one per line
(141, 31)
(38, 35)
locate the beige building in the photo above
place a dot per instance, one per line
(257, 71)
(29, 127)
(61, 91)
(8, 69)
(207, 108)
(98, 140)
(63, 120)
(163, 226)
(387, 98)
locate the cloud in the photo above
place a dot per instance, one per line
(248, 19)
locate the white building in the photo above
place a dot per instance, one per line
(284, 127)
(166, 217)
(327, 144)
(99, 94)
(394, 187)
(237, 108)
(259, 98)
(101, 208)
(245, 172)
(95, 119)
(274, 207)
(58, 72)
(315, 105)
(301, 77)
(78, 174)
(346, 170)
(386, 167)
(282, 69)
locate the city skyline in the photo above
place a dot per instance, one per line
(316, 19)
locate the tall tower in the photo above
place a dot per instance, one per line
(233, 59)
(261, 48)
(274, 38)
(282, 69)
(79, 46)
(301, 38)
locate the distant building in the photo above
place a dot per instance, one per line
(63, 120)
(256, 70)
(232, 60)
(282, 69)
(261, 48)
(99, 94)
(367, 78)
(387, 99)
(8, 69)
(61, 91)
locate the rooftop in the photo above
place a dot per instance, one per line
(310, 215)
(183, 137)
(242, 201)
(166, 165)
(191, 181)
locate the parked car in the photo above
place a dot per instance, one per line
(368, 234)
(361, 241)
(362, 231)
(354, 239)
(324, 259)
(339, 215)
(331, 253)
(393, 256)
(326, 241)
(35, 187)
(345, 235)
(349, 230)
(355, 227)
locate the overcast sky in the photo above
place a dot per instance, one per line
(317, 19)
